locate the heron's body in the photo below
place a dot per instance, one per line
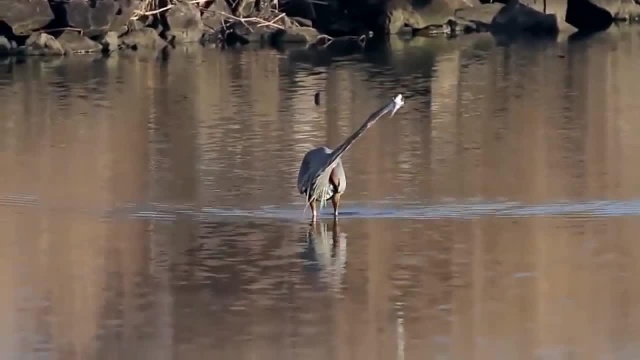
(311, 163)
(321, 176)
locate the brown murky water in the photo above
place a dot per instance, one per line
(149, 211)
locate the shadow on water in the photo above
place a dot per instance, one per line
(148, 204)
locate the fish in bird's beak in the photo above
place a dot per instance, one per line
(398, 101)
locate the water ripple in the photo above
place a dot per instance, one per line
(460, 209)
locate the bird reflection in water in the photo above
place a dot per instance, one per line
(325, 253)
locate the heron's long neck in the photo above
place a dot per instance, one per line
(335, 154)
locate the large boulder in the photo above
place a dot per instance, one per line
(213, 17)
(74, 43)
(512, 19)
(25, 16)
(185, 23)
(588, 17)
(92, 20)
(125, 11)
(516, 18)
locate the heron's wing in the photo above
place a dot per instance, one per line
(303, 174)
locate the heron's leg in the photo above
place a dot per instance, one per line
(336, 204)
(312, 204)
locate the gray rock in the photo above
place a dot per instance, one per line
(213, 18)
(125, 11)
(145, 38)
(110, 42)
(185, 23)
(39, 44)
(5, 46)
(92, 21)
(74, 43)
(24, 16)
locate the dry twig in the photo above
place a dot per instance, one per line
(245, 21)
(272, 22)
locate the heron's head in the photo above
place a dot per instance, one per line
(398, 101)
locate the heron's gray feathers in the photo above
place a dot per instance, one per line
(322, 187)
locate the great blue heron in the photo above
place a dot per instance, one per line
(321, 176)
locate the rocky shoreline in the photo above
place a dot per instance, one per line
(64, 27)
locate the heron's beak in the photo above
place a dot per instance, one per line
(398, 101)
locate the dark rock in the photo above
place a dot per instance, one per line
(24, 16)
(587, 17)
(91, 20)
(232, 38)
(109, 42)
(515, 18)
(5, 46)
(145, 38)
(74, 43)
(185, 23)
(211, 38)
(512, 19)
(43, 44)
(294, 35)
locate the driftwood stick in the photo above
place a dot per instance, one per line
(327, 37)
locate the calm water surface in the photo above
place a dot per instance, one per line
(149, 211)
